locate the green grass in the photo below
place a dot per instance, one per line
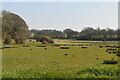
(22, 62)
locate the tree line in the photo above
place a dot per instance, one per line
(88, 33)
(15, 30)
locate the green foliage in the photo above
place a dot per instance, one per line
(47, 39)
(7, 40)
(110, 62)
(14, 26)
(43, 39)
(88, 33)
(70, 33)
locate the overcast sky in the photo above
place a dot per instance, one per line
(62, 15)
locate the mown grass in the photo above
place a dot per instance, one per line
(22, 62)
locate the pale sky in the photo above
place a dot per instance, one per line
(62, 15)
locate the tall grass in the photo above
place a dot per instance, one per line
(96, 71)
(100, 71)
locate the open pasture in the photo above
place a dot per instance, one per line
(50, 61)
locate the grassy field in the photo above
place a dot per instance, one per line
(38, 62)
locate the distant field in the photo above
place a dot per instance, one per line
(53, 62)
(69, 41)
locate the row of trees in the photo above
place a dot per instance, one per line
(14, 29)
(88, 33)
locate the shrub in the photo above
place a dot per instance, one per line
(7, 47)
(118, 54)
(110, 62)
(97, 58)
(111, 49)
(80, 45)
(13, 41)
(114, 52)
(40, 46)
(25, 46)
(84, 47)
(50, 40)
(64, 47)
(43, 39)
(44, 42)
(45, 48)
(108, 46)
(57, 45)
(73, 55)
(65, 54)
(117, 46)
(100, 46)
(110, 52)
(90, 45)
(7, 40)
(14, 47)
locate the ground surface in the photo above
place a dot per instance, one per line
(38, 62)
